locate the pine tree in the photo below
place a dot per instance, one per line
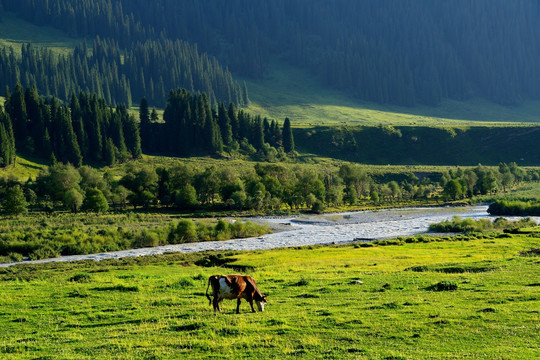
(131, 134)
(109, 156)
(287, 136)
(16, 108)
(144, 122)
(233, 117)
(258, 133)
(78, 125)
(224, 125)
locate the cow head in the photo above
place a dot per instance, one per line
(261, 302)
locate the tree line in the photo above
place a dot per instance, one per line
(262, 187)
(191, 126)
(402, 52)
(86, 130)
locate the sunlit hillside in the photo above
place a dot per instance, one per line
(291, 92)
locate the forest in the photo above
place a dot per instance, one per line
(87, 130)
(145, 69)
(390, 52)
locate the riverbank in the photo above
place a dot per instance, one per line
(303, 230)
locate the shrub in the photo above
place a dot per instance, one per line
(81, 277)
(45, 252)
(443, 286)
(182, 283)
(185, 231)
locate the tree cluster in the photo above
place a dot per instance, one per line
(262, 187)
(191, 126)
(86, 131)
(390, 51)
(481, 180)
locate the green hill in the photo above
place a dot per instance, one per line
(14, 32)
(287, 91)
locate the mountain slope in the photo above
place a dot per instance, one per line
(288, 91)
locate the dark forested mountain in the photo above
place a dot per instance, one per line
(388, 51)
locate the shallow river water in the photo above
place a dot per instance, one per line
(313, 229)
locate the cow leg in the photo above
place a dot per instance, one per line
(216, 305)
(238, 305)
(251, 304)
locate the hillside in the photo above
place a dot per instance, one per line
(289, 91)
(399, 52)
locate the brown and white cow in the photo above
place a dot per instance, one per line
(235, 287)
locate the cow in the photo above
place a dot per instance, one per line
(235, 287)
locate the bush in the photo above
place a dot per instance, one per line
(182, 283)
(443, 286)
(184, 232)
(81, 277)
(517, 208)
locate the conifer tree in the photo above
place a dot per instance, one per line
(131, 134)
(233, 117)
(224, 125)
(144, 122)
(16, 108)
(258, 133)
(78, 125)
(109, 156)
(287, 136)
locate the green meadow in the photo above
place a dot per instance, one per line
(14, 32)
(436, 300)
(287, 91)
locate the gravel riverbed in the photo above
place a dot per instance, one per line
(290, 231)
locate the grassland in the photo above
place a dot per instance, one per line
(23, 169)
(14, 32)
(155, 308)
(291, 92)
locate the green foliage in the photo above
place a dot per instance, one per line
(14, 202)
(478, 226)
(515, 208)
(185, 231)
(95, 201)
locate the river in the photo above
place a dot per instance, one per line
(304, 230)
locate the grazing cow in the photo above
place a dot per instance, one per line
(235, 287)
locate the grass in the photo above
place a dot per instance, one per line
(14, 32)
(23, 169)
(287, 91)
(154, 307)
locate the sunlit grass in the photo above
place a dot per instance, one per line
(23, 169)
(156, 308)
(292, 92)
(14, 32)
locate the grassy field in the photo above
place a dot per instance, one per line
(291, 92)
(14, 32)
(155, 308)
(23, 169)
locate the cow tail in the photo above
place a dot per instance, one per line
(208, 296)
